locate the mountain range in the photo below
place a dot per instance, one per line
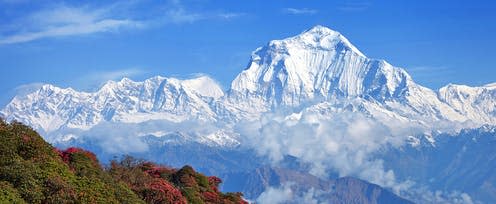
(318, 66)
(317, 75)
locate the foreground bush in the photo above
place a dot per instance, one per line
(160, 184)
(32, 171)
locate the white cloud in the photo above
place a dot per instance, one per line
(181, 16)
(68, 30)
(423, 195)
(66, 21)
(340, 142)
(274, 195)
(124, 138)
(285, 194)
(116, 138)
(300, 11)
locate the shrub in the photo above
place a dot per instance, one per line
(8, 194)
(161, 191)
(32, 171)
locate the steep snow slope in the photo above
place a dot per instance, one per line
(477, 103)
(322, 65)
(317, 63)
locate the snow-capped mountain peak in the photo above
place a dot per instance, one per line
(322, 65)
(324, 38)
(318, 63)
(204, 86)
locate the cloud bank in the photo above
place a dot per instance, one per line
(341, 142)
(284, 194)
(126, 138)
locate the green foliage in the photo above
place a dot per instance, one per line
(185, 177)
(37, 173)
(202, 180)
(8, 194)
(192, 195)
(26, 178)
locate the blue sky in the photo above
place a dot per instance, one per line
(83, 44)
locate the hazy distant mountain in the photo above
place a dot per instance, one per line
(342, 190)
(465, 161)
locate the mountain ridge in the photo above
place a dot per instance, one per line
(113, 102)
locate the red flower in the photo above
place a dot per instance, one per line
(214, 180)
(66, 154)
(162, 191)
(211, 197)
(156, 171)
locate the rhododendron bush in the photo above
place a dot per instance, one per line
(32, 171)
(160, 184)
